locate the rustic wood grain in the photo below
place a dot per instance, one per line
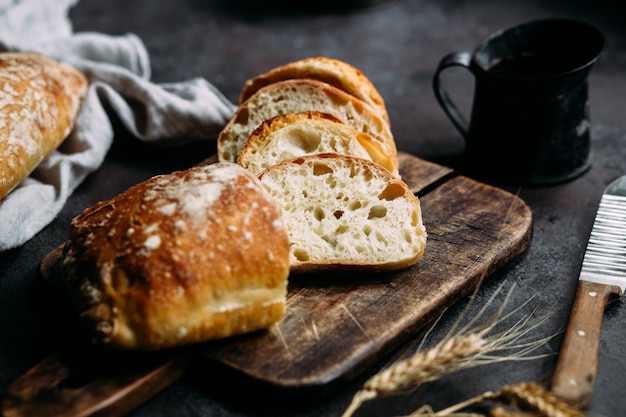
(335, 326)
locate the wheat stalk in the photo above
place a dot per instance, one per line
(526, 395)
(534, 396)
(454, 354)
(464, 347)
(427, 411)
(451, 355)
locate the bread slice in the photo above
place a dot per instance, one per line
(180, 258)
(296, 134)
(344, 212)
(329, 70)
(39, 104)
(295, 96)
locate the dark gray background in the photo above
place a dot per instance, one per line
(397, 44)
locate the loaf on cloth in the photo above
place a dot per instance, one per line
(39, 101)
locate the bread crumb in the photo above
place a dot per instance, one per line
(180, 225)
(152, 228)
(278, 224)
(168, 209)
(182, 332)
(152, 243)
(90, 293)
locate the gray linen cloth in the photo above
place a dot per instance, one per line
(118, 68)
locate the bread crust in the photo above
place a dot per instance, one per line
(181, 258)
(39, 101)
(332, 71)
(296, 134)
(294, 96)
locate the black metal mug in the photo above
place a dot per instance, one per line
(529, 121)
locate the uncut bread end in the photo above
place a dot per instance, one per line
(296, 96)
(296, 134)
(180, 258)
(344, 212)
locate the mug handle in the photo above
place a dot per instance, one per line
(456, 59)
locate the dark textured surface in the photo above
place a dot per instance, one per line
(397, 44)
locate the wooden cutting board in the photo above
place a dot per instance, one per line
(335, 326)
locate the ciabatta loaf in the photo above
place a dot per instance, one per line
(180, 258)
(296, 96)
(39, 102)
(346, 212)
(296, 134)
(329, 70)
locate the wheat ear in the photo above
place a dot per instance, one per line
(464, 347)
(534, 396)
(527, 395)
(427, 366)
(502, 411)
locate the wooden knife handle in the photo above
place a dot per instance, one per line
(64, 386)
(575, 371)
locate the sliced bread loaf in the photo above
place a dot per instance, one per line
(329, 70)
(296, 134)
(346, 212)
(295, 96)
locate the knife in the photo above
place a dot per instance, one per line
(602, 278)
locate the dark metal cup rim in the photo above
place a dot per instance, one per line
(596, 43)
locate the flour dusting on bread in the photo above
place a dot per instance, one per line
(190, 196)
(180, 258)
(39, 102)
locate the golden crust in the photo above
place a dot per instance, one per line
(311, 126)
(332, 71)
(299, 95)
(180, 258)
(39, 101)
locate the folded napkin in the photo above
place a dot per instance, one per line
(118, 69)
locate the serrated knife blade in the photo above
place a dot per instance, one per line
(602, 277)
